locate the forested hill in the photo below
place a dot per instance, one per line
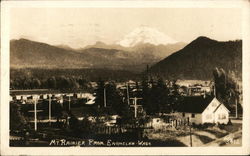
(198, 59)
(31, 54)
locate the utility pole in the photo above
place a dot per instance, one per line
(35, 111)
(50, 109)
(69, 102)
(104, 96)
(135, 105)
(236, 108)
(127, 94)
(35, 115)
(190, 134)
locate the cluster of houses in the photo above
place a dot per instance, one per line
(196, 107)
(194, 87)
(25, 98)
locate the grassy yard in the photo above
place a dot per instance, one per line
(204, 139)
(232, 128)
(217, 133)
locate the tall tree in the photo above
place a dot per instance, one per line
(52, 84)
(17, 120)
(226, 87)
(174, 96)
(99, 101)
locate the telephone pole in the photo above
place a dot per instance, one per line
(69, 102)
(50, 109)
(190, 134)
(135, 105)
(236, 108)
(127, 94)
(35, 116)
(104, 96)
(35, 111)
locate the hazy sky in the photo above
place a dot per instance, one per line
(78, 27)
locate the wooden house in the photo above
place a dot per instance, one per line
(200, 110)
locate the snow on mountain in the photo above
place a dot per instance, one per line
(145, 35)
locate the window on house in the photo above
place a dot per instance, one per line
(222, 116)
(193, 115)
(209, 116)
(183, 114)
(214, 104)
(219, 116)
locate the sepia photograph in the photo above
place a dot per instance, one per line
(137, 76)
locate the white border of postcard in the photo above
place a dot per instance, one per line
(6, 150)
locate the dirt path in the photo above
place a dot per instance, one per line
(210, 135)
(186, 140)
(233, 139)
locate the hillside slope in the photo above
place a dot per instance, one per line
(26, 53)
(30, 54)
(199, 58)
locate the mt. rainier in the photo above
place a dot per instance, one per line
(145, 35)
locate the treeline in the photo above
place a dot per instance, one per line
(37, 78)
(54, 82)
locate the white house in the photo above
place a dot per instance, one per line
(158, 123)
(200, 110)
(18, 97)
(11, 98)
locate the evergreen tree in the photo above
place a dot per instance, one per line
(17, 120)
(226, 87)
(162, 96)
(174, 96)
(99, 101)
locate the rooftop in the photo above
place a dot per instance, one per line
(194, 104)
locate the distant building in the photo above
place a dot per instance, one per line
(200, 110)
(194, 87)
(11, 98)
(18, 97)
(93, 84)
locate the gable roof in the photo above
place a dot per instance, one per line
(194, 104)
(220, 106)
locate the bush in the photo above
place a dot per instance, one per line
(229, 122)
(221, 126)
(206, 125)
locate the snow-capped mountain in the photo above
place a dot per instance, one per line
(145, 35)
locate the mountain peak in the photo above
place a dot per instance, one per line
(199, 58)
(143, 35)
(22, 40)
(99, 43)
(203, 38)
(201, 41)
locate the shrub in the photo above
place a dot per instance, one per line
(221, 126)
(229, 122)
